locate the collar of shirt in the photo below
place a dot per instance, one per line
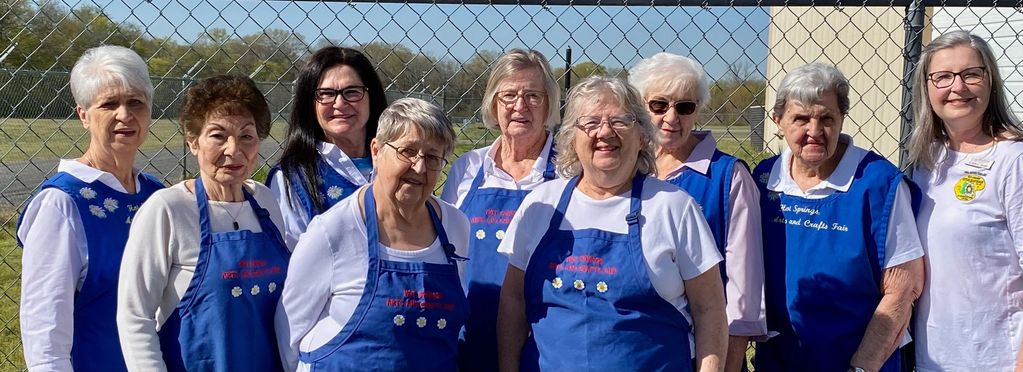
(535, 175)
(89, 174)
(341, 162)
(699, 159)
(839, 181)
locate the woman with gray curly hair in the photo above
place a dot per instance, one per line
(842, 257)
(967, 155)
(375, 281)
(634, 283)
(488, 184)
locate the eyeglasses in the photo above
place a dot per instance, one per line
(350, 94)
(411, 156)
(660, 107)
(971, 76)
(532, 98)
(589, 124)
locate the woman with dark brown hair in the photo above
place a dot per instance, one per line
(338, 99)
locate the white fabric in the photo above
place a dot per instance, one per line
(677, 243)
(295, 219)
(970, 315)
(54, 263)
(744, 254)
(465, 169)
(160, 258)
(903, 240)
(328, 269)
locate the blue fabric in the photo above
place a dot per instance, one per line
(364, 165)
(409, 315)
(225, 319)
(332, 187)
(489, 210)
(712, 191)
(592, 306)
(823, 261)
(106, 217)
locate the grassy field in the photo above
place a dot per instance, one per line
(11, 358)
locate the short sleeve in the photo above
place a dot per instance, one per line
(903, 241)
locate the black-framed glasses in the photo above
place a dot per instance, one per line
(350, 94)
(970, 76)
(660, 107)
(589, 124)
(411, 156)
(533, 98)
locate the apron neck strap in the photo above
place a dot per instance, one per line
(373, 230)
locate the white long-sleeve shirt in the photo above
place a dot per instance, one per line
(295, 218)
(159, 261)
(54, 262)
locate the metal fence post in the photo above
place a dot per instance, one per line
(914, 26)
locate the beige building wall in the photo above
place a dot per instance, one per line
(865, 44)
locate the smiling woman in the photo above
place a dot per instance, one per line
(376, 278)
(205, 257)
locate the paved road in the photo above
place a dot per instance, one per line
(19, 179)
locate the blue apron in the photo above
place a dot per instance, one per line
(332, 187)
(592, 306)
(225, 319)
(409, 315)
(106, 218)
(823, 266)
(490, 211)
(712, 191)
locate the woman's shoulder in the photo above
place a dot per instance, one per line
(662, 193)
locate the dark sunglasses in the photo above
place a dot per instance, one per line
(660, 107)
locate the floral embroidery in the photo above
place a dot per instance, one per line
(399, 320)
(236, 291)
(97, 211)
(578, 284)
(480, 234)
(765, 177)
(557, 283)
(271, 287)
(255, 290)
(87, 193)
(773, 195)
(499, 234)
(421, 322)
(334, 192)
(601, 287)
(110, 204)
(441, 323)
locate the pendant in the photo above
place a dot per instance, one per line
(235, 225)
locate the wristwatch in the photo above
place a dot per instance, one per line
(856, 369)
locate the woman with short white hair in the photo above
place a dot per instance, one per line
(675, 89)
(610, 269)
(374, 281)
(74, 229)
(842, 256)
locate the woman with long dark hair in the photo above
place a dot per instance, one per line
(338, 99)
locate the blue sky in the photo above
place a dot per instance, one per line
(609, 35)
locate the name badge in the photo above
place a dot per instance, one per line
(981, 163)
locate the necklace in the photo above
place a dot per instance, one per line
(234, 216)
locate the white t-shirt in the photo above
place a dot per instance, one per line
(160, 258)
(465, 169)
(54, 263)
(970, 314)
(677, 243)
(295, 219)
(327, 274)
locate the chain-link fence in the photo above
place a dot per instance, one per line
(441, 51)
